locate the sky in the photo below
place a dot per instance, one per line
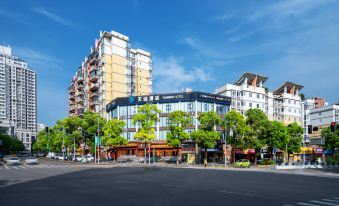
(197, 44)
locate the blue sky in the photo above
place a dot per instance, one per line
(197, 44)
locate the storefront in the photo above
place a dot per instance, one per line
(249, 154)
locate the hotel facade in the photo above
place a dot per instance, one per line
(112, 69)
(194, 103)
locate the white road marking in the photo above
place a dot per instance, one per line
(7, 167)
(15, 167)
(307, 204)
(324, 203)
(177, 186)
(23, 167)
(331, 200)
(237, 193)
(126, 182)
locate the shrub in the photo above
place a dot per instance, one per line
(271, 162)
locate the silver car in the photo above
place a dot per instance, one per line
(7, 157)
(31, 160)
(13, 161)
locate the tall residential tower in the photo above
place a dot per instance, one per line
(17, 96)
(112, 69)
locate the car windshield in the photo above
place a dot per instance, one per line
(13, 158)
(30, 158)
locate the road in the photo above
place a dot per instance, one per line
(92, 185)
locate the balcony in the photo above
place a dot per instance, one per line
(93, 61)
(94, 87)
(80, 93)
(71, 108)
(93, 76)
(80, 87)
(80, 79)
(94, 95)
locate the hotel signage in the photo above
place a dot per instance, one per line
(168, 98)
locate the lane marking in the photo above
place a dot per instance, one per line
(237, 193)
(324, 203)
(177, 186)
(307, 204)
(23, 167)
(126, 182)
(331, 200)
(7, 167)
(15, 167)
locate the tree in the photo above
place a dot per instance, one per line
(277, 135)
(146, 117)
(295, 133)
(112, 134)
(179, 120)
(257, 123)
(90, 123)
(10, 144)
(235, 122)
(206, 137)
(331, 139)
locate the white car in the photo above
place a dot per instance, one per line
(61, 157)
(78, 158)
(7, 157)
(31, 160)
(13, 161)
(89, 157)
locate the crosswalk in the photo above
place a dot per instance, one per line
(319, 202)
(38, 166)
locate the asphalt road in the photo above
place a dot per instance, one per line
(164, 186)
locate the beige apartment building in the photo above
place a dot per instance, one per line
(112, 69)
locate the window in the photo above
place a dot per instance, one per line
(190, 107)
(168, 108)
(168, 122)
(289, 101)
(205, 107)
(258, 105)
(250, 94)
(250, 104)
(27, 139)
(27, 135)
(258, 96)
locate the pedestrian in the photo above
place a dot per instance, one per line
(205, 162)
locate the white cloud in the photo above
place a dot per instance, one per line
(36, 58)
(53, 17)
(171, 76)
(222, 18)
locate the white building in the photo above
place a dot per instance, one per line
(283, 104)
(40, 127)
(18, 96)
(321, 118)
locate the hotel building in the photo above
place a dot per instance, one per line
(112, 69)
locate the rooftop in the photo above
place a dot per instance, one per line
(250, 78)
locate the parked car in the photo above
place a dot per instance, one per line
(78, 158)
(89, 157)
(13, 161)
(31, 160)
(242, 163)
(7, 157)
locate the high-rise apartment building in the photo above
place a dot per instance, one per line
(112, 69)
(283, 104)
(18, 96)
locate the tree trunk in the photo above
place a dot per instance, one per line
(206, 155)
(333, 156)
(177, 155)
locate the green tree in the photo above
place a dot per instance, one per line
(234, 124)
(10, 144)
(295, 133)
(206, 137)
(91, 122)
(331, 139)
(112, 134)
(277, 135)
(179, 120)
(257, 123)
(146, 117)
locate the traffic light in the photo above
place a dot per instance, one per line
(46, 129)
(309, 129)
(333, 126)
